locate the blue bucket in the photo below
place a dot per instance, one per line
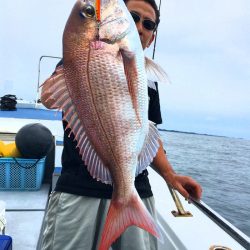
(18, 174)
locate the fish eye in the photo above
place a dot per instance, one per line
(88, 11)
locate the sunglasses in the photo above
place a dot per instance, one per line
(147, 23)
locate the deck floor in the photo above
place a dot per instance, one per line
(24, 215)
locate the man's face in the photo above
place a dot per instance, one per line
(145, 12)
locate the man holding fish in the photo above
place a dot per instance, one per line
(101, 86)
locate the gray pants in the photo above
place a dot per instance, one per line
(75, 222)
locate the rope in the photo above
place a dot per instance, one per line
(32, 166)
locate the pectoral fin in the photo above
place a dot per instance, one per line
(131, 73)
(155, 72)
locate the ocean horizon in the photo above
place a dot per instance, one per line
(207, 123)
(197, 133)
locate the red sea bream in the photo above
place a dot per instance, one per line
(102, 90)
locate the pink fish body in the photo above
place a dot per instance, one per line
(102, 89)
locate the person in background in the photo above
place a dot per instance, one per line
(79, 204)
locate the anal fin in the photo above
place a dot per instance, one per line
(149, 150)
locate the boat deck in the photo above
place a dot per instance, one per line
(24, 215)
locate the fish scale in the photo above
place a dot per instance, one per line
(113, 95)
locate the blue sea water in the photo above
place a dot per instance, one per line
(221, 165)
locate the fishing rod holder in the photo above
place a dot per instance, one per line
(181, 212)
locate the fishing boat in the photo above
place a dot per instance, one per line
(184, 225)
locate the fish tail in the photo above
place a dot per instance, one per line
(120, 216)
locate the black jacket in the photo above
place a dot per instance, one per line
(75, 178)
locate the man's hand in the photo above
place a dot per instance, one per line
(186, 186)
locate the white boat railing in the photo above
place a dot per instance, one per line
(220, 221)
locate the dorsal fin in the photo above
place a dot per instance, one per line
(55, 95)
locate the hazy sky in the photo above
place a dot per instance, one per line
(203, 45)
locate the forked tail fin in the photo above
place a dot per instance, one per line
(120, 216)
